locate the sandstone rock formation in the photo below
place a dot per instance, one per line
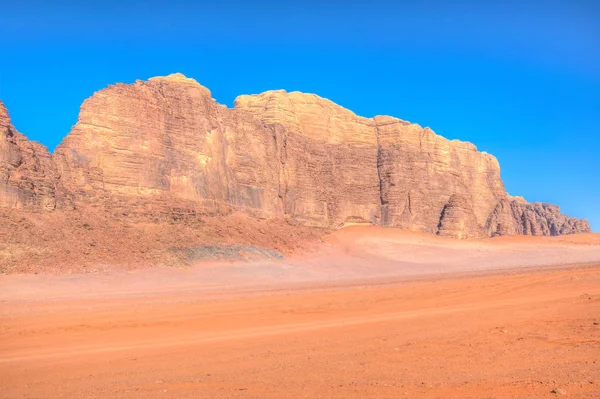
(329, 158)
(344, 168)
(164, 147)
(28, 176)
(458, 220)
(165, 143)
(516, 216)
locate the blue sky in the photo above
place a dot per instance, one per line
(521, 80)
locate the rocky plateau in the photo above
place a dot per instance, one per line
(165, 150)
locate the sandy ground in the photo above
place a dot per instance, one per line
(372, 313)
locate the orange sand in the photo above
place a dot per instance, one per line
(393, 325)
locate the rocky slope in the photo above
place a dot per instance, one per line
(163, 148)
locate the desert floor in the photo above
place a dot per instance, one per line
(371, 313)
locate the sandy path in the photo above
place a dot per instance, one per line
(501, 335)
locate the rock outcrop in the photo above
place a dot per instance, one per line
(165, 147)
(28, 176)
(458, 219)
(344, 168)
(329, 158)
(515, 216)
(165, 144)
(421, 171)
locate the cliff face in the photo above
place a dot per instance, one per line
(28, 176)
(153, 146)
(329, 163)
(342, 168)
(164, 146)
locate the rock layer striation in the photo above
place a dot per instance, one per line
(165, 144)
(165, 147)
(28, 176)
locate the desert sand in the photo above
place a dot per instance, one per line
(367, 313)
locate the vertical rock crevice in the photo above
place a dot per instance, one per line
(383, 203)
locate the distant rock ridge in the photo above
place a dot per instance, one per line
(161, 147)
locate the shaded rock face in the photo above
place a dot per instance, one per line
(515, 216)
(164, 146)
(28, 176)
(458, 219)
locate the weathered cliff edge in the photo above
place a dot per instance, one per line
(163, 148)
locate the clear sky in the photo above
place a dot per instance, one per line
(520, 79)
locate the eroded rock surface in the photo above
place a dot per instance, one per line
(343, 168)
(516, 216)
(28, 176)
(329, 158)
(420, 171)
(165, 147)
(458, 219)
(153, 146)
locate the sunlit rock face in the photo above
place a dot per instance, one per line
(28, 176)
(164, 146)
(329, 158)
(342, 168)
(163, 143)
